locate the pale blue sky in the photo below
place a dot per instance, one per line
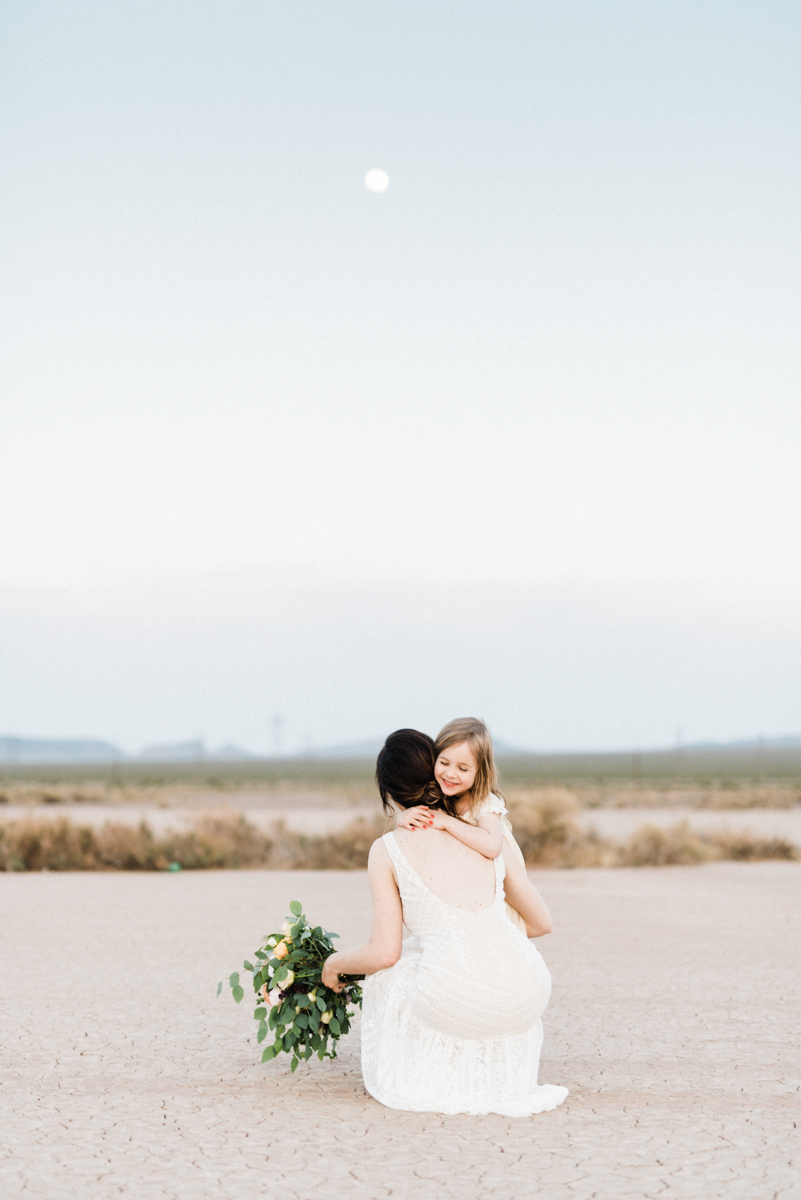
(556, 363)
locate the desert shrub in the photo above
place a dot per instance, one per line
(345, 850)
(548, 834)
(743, 847)
(217, 842)
(231, 842)
(652, 846)
(51, 845)
(546, 831)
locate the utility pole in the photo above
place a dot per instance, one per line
(277, 723)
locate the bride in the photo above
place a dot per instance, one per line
(451, 1019)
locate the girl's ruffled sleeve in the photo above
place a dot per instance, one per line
(493, 804)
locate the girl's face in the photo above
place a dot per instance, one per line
(455, 769)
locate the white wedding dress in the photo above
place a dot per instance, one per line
(454, 1026)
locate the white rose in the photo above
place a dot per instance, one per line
(286, 928)
(326, 1017)
(274, 997)
(287, 981)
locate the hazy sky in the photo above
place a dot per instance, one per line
(519, 436)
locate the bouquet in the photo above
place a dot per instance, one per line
(291, 1000)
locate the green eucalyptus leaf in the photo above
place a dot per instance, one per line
(322, 1003)
(219, 987)
(233, 979)
(294, 1064)
(238, 992)
(295, 907)
(268, 1053)
(333, 1025)
(248, 966)
(262, 1033)
(259, 1014)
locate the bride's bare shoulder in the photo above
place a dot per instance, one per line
(379, 854)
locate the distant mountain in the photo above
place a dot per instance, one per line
(787, 739)
(192, 752)
(32, 751)
(371, 747)
(22, 752)
(48, 750)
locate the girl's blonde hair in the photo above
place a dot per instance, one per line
(477, 736)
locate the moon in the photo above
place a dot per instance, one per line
(376, 180)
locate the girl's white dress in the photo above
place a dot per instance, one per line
(494, 804)
(454, 1026)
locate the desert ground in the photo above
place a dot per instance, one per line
(673, 1021)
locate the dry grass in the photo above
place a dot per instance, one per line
(62, 845)
(549, 835)
(735, 793)
(716, 794)
(546, 830)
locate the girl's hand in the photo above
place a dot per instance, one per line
(419, 817)
(439, 819)
(330, 975)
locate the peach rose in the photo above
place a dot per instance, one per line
(281, 950)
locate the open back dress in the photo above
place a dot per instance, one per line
(455, 1025)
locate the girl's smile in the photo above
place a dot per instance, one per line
(455, 769)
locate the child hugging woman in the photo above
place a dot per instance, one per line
(452, 1016)
(474, 810)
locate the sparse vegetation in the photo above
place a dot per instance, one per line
(232, 842)
(547, 832)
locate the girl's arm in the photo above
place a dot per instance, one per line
(525, 899)
(486, 837)
(383, 948)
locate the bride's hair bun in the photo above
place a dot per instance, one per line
(404, 771)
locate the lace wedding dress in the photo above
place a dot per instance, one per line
(454, 1026)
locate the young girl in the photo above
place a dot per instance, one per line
(475, 810)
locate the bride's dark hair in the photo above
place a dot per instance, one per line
(404, 771)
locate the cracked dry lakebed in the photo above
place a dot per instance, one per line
(675, 1021)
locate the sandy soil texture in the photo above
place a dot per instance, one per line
(674, 1022)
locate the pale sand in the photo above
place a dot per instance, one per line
(674, 1021)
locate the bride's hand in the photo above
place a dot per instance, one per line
(330, 975)
(419, 817)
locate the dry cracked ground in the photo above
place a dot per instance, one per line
(674, 1022)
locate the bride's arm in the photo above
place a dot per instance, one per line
(525, 899)
(383, 947)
